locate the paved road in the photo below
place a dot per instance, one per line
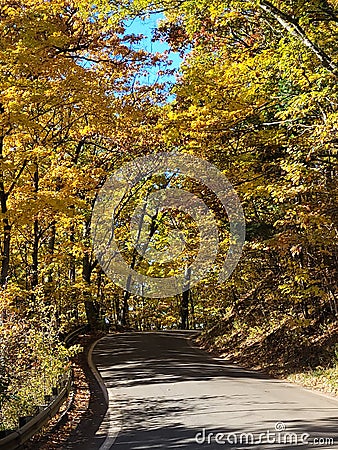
(166, 394)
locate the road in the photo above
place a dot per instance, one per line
(164, 393)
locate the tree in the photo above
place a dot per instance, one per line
(257, 96)
(68, 100)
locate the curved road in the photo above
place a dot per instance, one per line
(166, 394)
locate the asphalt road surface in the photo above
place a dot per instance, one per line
(164, 393)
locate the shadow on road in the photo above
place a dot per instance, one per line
(299, 434)
(167, 394)
(161, 360)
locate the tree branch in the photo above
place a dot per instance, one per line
(18, 175)
(292, 26)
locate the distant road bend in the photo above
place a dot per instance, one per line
(166, 394)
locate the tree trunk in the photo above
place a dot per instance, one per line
(35, 255)
(185, 301)
(36, 238)
(51, 247)
(92, 311)
(5, 251)
(125, 308)
(6, 226)
(117, 311)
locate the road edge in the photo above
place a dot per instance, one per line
(112, 433)
(277, 379)
(95, 372)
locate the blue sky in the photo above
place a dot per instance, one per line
(145, 27)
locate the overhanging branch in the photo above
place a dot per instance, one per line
(292, 26)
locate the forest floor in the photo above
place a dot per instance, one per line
(308, 357)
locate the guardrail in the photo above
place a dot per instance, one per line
(71, 336)
(18, 437)
(23, 434)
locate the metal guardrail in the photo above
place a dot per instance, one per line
(71, 336)
(23, 434)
